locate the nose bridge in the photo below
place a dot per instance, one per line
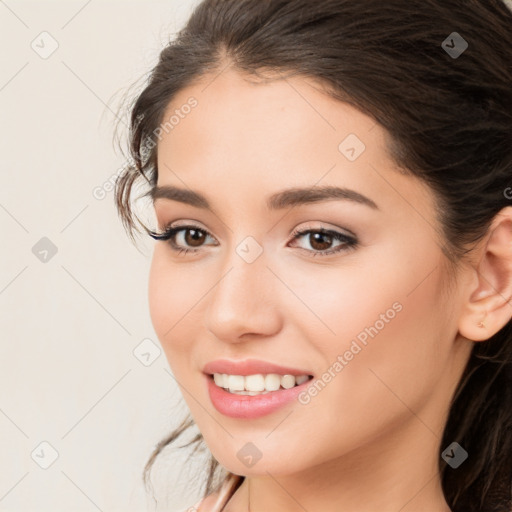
(243, 300)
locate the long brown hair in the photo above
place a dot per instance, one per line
(449, 121)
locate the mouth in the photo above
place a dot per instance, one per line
(256, 395)
(257, 384)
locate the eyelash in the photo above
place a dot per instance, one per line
(350, 242)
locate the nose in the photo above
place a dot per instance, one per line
(244, 302)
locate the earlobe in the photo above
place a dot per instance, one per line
(489, 304)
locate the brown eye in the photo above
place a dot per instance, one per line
(195, 239)
(320, 241)
(183, 239)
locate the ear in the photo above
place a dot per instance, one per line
(488, 306)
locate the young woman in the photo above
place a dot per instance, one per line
(332, 277)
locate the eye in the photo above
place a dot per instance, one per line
(320, 239)
(190, 235)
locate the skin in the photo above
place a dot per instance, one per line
(370, 439)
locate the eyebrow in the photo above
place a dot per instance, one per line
(280, 200)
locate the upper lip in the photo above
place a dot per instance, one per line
(249, 367)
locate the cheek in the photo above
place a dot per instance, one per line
(159, 297)
(395, 370)
(386, 320)
(393, 343)
(171, 299)
(376, 295)
(176, 293)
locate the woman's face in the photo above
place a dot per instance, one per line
(372, 320)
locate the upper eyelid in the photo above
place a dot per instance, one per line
(342, 231)
(195, 225)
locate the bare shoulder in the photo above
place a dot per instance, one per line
(206, 504)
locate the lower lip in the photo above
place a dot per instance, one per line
(247, 406)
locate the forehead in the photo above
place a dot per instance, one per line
(280, 126)
(243, 140)
(252, 112)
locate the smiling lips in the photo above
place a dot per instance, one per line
(252, 388)
(253, 376)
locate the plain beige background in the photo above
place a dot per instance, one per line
(70, 324)
(81, 371)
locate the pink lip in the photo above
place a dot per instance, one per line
(249, 407)
(249, 367)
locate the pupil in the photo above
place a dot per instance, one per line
(317, 237)
(197, 237)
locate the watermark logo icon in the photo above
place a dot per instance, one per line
(454, 455)
(147, 352)
(454, 45)
(44, 455)
(44, 250)
(249, 454)
(351, 147)
(249, 249)
(45, 45)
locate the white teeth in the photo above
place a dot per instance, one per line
(258, 383)
(236, 383)
(255, 382)
(272, 382)
(287, 381)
